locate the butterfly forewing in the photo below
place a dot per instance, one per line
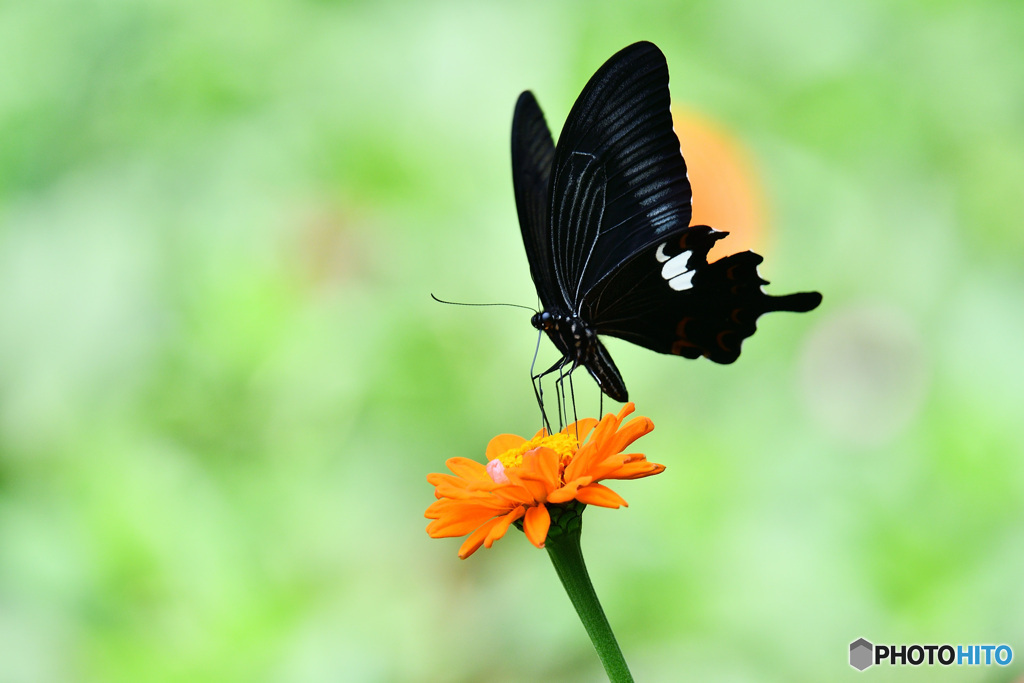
(623, 121)
(533, 152)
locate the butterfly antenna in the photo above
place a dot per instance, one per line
(462, 303)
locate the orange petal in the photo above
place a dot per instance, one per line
(607, 426)
(630, 432)
(544, 463)
(475, 540)
(637, 470)
(459, 522)
(536, 525)
(607, 467)
(583, 462)
(519, 492)
(539, 473)
(502, 443)
(446, 484)
(499, 529)
(460, 488)
(467, 469)
(599, 495)
(581, 428)
(568, 492)
(437, 477)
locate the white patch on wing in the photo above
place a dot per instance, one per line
(660, 254)
(676, 265)
(681, 282)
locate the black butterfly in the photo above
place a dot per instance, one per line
(605, 218)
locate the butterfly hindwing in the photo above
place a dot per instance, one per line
(669, 299)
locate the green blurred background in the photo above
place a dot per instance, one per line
(223, 382)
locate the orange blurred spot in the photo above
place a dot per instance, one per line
(726, 194)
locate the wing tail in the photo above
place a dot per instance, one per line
(801, 302)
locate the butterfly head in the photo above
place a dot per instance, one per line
(543, 321)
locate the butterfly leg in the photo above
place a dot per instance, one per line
(538, 392)
(538, 388)
(563, 405)
(563, 415)
(560, 399)
(575, 417)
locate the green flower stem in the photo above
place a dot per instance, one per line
(563, 546)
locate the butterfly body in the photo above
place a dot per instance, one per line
(579, 346)
(605, 219)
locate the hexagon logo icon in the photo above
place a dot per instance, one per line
(861, 652)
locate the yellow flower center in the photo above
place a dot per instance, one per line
(563, 444)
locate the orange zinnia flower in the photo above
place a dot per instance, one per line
(523, 477)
